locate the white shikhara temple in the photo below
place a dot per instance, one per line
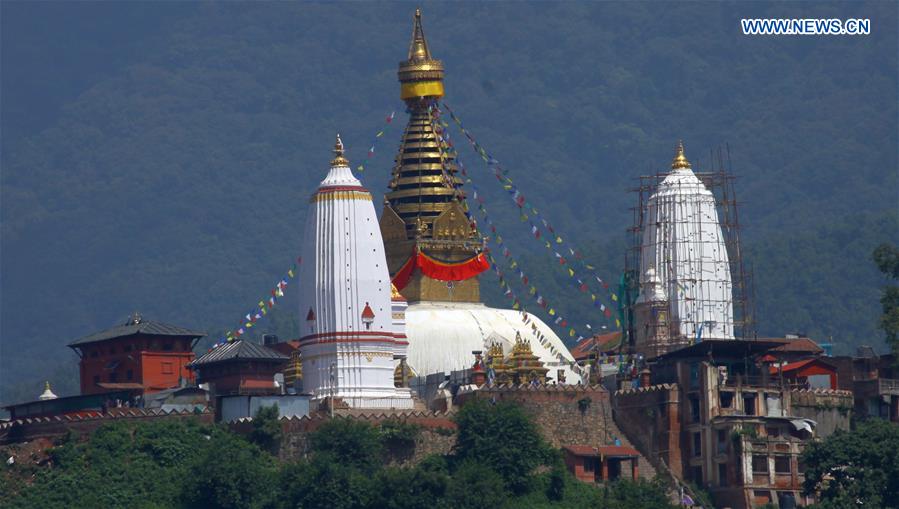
(686, 278)
(349, 337)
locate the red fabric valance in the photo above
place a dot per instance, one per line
(440, 270)
(452, 271)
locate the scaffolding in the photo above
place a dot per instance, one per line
(692, 250)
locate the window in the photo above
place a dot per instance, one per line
(759, 464)
(722, 474)
(722, 441)
(96, 379)
(694, 408)
(772, 431)
(113, 377)
(761, 497)
(166, 368)
(129, 375)
(697, 444)
(786, 500)
(749, 404)
(167, 347)
(590, 464)
(727, 399)
(782, 465)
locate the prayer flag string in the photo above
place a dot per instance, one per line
(262, 308)
(511, 263)
(552, 240)
(380, 134)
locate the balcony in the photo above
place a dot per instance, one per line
(888, 386)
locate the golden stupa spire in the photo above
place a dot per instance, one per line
(424, 209)
(339, 159)
(680, 160)
(421, 75)
(418, 48)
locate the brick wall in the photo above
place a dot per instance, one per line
(566, 414)
(23, 430)
(437, 434)
(830, 409)
(650, 417)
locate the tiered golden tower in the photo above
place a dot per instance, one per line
(422, 210)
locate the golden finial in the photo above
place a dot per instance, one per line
(418, 48)
(47, 385)
(339, 159)
(680, 161)
(421, 74)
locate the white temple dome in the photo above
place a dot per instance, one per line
(442, 336)
(47, 394)
(683, 242)
(351, 337)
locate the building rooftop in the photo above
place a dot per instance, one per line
(728, 348)
(602, 342)
(240, 349)
(800, 345)
(137, 325)
(796, 366)
(604, 451)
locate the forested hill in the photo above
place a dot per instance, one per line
(158, 157)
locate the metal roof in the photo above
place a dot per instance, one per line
(727, 348)
(138, 326)
(239, 350)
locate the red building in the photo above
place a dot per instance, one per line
(240, 368)
(603, 463)
(140, 356)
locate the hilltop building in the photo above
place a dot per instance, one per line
(433, 248)
(350, 337)
(733, 418)
(685, 281)
(140, 356)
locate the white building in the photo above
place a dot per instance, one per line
(686, 290)
(348, 335)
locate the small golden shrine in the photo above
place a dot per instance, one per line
(525, 367)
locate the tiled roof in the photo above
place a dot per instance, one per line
(801, 345)
(794, 366)
(613, 451)
(138, 327)
(239, 350)
(604, 342)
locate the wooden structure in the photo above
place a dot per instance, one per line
(140, 356)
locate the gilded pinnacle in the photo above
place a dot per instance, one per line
(339, 159)
(420, 68)
(680, 160)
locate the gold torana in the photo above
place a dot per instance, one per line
(423, 208)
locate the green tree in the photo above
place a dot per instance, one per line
(637, 494)
(410, 488)
(231, 473)
(474, 484)
(120, 465)
(501, 437)
(326, 482)
(350, 443)
(859, 468)
(886, 256)
(267, 428)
